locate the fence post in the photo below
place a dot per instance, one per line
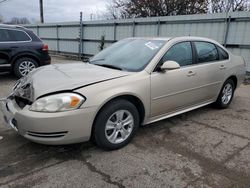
(228, 21)
(57, 39)
(115, 31)
(158, 27)
(37, 30)
(133, 29)
(80, 37)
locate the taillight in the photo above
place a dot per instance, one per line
(45, 47)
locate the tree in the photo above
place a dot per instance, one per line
(113, 12)
(229, 5)
(16, 20)
(149, 8)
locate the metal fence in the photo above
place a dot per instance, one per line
(83, 38)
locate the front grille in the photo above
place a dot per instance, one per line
(47, 135)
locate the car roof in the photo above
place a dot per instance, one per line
(176, 38)
(182, 38)
(152, 38)
(11, 26)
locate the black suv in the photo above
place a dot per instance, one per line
(21, 50)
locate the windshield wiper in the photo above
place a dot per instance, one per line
(109, 66)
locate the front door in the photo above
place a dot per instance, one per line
(173, 90)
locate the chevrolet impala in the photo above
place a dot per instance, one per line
(134, 82)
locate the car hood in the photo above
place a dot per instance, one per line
(61, 77)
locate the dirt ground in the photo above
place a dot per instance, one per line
(203, 148)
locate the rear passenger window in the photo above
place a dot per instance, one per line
(206, 52)
(223, 54)
(181, 53)
(19, 35)
(5, 36)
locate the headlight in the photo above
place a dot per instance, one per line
(58, 103)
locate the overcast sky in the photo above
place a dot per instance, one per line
(54, 10)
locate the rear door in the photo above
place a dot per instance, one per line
(5, 50)
(210, 69)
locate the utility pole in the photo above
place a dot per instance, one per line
(41, 11)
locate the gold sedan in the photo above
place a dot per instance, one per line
(136, 81)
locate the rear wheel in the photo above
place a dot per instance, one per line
(24, 65)
(226, 94)
(116, 125)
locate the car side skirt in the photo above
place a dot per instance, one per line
(165, 116)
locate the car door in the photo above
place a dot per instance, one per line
(5, 50)
(210, 69)
(174, 90)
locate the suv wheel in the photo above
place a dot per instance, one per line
(116, 125)
(226, 94)
(23, 66)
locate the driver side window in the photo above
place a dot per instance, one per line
(180, 53)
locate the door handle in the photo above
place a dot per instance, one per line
(223, 67)
(191, 73)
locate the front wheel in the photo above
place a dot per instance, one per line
(116, 124)
(226, 94)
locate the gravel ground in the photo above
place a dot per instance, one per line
(203, 148)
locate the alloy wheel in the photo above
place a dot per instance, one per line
(227, 93)
(25, 67)
(119, 126)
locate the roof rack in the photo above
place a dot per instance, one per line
(11, 26)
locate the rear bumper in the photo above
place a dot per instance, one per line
(45, 61)
(49, 128)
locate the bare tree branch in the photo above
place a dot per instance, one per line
(229, 5)
(149, 8)
(16, 20)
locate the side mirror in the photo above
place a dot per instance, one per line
(170, 65)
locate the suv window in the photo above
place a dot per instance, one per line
(19, 35)
(5, 36)
(223, 54)
(181, 53)
(206, 52)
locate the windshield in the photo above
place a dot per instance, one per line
(128, 54)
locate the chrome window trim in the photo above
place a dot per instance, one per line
(193, 64)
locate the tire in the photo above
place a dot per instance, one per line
(23, 66)
(222, 101)
(105, 134)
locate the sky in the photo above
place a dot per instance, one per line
(54, 10)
